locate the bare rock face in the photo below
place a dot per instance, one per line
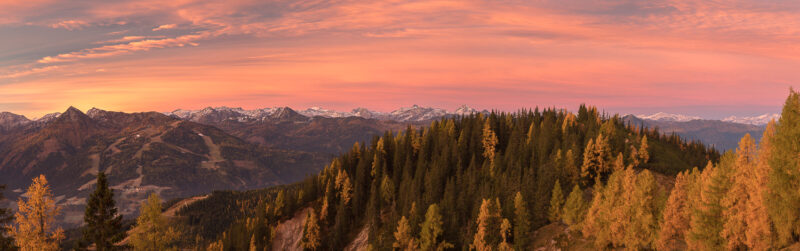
(289, 233)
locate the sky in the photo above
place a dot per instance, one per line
(705, 58)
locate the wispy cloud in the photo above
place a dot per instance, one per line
(129, 39)
(310, 46)
(165, 27)
(69, 24)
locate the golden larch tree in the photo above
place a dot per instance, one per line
(403, 240)
(152, 231)
(34, 228)
(759, 235)
(735, 201)
(676, 216)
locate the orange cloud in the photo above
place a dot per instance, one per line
(387, 53)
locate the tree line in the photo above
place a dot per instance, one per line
(482, 182)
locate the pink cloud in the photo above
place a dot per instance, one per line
(165, 27)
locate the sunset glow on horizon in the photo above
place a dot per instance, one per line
(704, 58)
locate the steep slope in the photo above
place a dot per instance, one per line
(141, 153)
(457, 164)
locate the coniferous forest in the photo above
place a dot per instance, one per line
(492, 181)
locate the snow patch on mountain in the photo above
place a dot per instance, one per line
(414, 113)
(755, 120)
(663, 116)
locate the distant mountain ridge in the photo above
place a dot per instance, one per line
(759, 120)
(414, 113)
(140, 153)
(722, 135)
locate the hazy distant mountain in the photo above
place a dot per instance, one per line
(755, 120)
(723, 135)
(141, 153)
(414, 113)
(662, 116)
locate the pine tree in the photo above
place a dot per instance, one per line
(522, 224)
(6, 242)
(404, 240)
(311, 235)
(431, 231)
(706, 222)
(784, 178)
(35, 220)
(575, 208)
(571, 169)
(676, 216)
(103, 224)
(556, 203)
(152, 231)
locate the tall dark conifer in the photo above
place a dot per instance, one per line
(103, 223)
(6, 242)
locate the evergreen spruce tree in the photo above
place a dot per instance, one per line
(556, 203)
(35, 221)
(6, 242)
(103, 223)
(152, 231)
(431, 231)
(571, 169)
(522, 224)
(706, 221)
(575, 208)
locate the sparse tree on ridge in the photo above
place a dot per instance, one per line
(103, 223)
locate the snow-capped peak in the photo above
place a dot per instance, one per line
(319, 111)
(662, 116)
(755, 120)
(464, 110)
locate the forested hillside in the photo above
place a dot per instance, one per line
(456, 183)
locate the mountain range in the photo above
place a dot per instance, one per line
(414, 113)
(141, 153)
(189, 152)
